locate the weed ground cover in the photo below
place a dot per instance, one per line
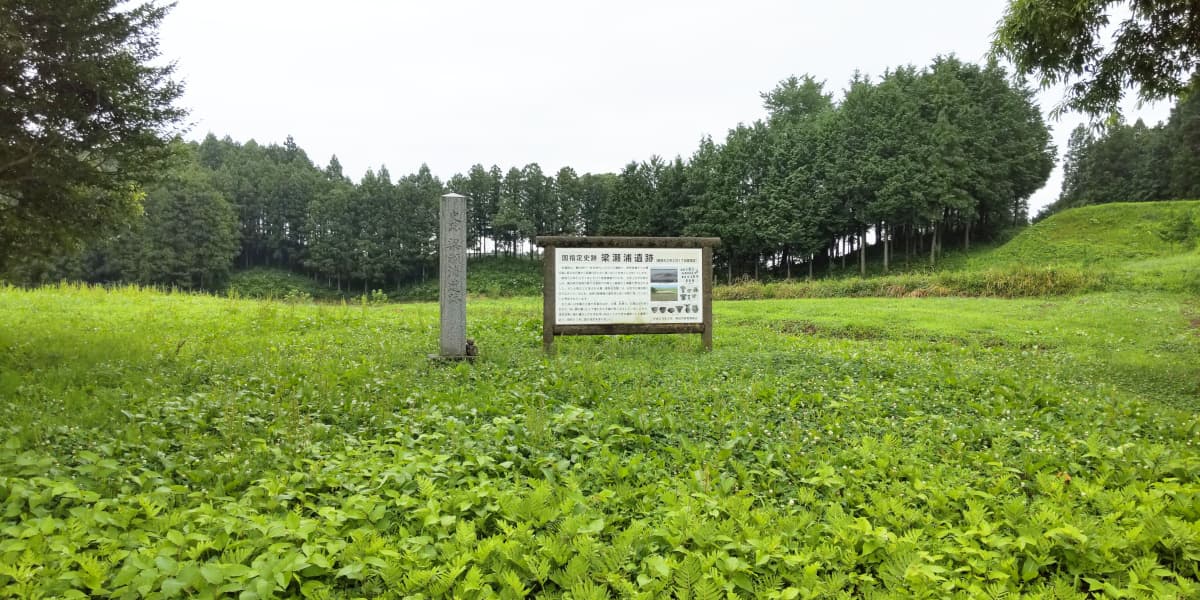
(171, 445)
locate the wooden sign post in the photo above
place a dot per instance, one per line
(626, 285)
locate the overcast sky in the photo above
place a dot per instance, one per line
(591, 85)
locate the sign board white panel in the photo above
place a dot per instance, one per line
(602, 286)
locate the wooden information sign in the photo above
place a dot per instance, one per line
(619, 285)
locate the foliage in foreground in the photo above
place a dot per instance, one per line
(169, 445)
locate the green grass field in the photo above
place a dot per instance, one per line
(176, 445)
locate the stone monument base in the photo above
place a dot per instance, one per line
(470, 352)
(459, 358)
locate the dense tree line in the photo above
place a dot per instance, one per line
(900, 164)
(1122, 162)
(904, 160)
(954, 149)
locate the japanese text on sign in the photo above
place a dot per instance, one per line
(628, 285)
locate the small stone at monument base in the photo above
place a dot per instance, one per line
(460, 358)
(470, 353)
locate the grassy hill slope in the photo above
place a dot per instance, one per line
(1104, 234)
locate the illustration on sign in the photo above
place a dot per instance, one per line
(597, 286)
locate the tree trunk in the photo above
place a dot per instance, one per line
(907, 243)
(933, 246)
(862, 252)
(811, 259)
(967, 237)
(729, 271)
(886, 243)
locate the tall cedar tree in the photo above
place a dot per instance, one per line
(86, 116)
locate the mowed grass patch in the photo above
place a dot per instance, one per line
(917, 447)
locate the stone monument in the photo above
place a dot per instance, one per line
(452, 278)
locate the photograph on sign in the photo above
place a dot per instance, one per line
(664, 275)
(664, 293)
(601, 286)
